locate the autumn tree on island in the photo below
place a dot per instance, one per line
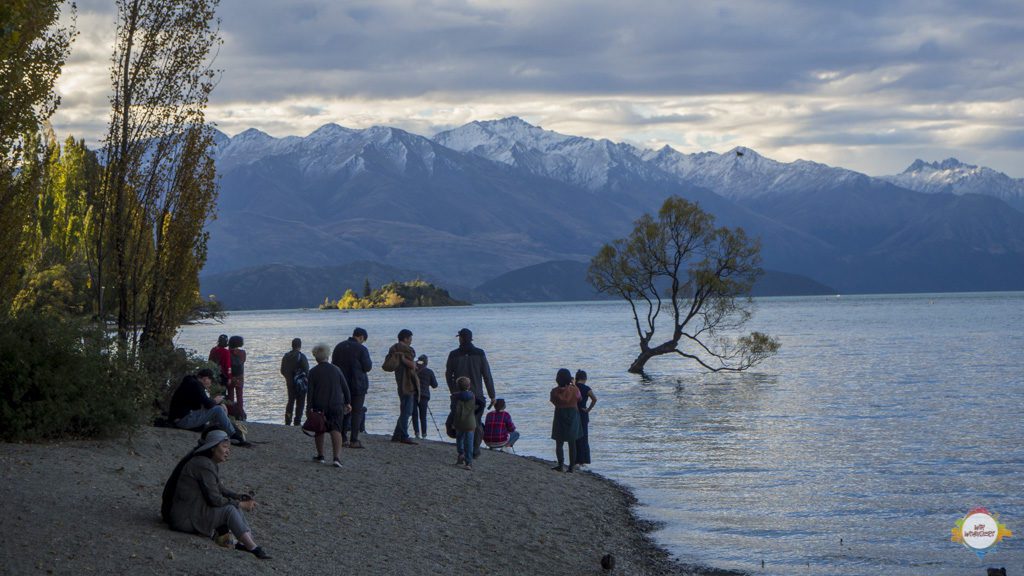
(680, 273)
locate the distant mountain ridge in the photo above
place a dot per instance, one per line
(952, 176)
(492, 197)
(277, 286)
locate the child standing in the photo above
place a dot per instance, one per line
(463, 408)
(499, 431)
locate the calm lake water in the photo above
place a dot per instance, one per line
(882, 421)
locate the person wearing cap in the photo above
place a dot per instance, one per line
(427, 381)
(352, 357)
(469, 361)
(293, 362)
(195, 501)
(193, 409)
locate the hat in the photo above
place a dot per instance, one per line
(212, 438)
(465, 333)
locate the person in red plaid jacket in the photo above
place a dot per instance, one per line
(499, 431)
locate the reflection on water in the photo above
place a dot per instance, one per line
(882, 420)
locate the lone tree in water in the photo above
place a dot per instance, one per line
(679, 268)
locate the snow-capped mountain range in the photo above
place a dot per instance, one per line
(952, 176)
(489, 197)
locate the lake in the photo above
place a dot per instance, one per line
(882, 420)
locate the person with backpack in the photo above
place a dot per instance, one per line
(401, 360)
(352, 357)
(221, 356)
(236, 407)
(295, 369)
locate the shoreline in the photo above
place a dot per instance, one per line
(92, 506)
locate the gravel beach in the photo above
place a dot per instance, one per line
(92, 507)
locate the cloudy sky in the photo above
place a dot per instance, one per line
(868, 85)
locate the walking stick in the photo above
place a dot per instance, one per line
(431, 412)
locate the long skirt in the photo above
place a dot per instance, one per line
(566, 425)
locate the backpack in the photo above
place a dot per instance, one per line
(391, 363)
(300, 378)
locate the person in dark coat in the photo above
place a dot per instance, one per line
(427, 381)
(291, 363)
(586, 395)
(195, 500)
(193, 409)
(328, 393)
(565, 428)
(469, 361)
(352, 357)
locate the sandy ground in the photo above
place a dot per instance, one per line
(92, 507)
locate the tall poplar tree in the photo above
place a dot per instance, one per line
(159, 184)
(33, 49)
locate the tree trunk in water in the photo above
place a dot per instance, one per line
(637, 367)
(646, 353)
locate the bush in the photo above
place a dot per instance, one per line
(166, 367)
(61, 380)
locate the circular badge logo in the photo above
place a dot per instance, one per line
(980, 531)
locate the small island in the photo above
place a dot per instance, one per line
(411, 294)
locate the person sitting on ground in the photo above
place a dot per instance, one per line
(328, 393)
(427, 381)
(464, 411)
(499, 431)
(194, 500)
(193, 409)
(565, 428)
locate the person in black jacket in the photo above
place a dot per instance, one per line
(192, 408)
(427, 381)
(352, 357)
(328, 393)
(469, 361)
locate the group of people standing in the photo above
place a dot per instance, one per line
(229, 356)
(335, 387)
(338, 384)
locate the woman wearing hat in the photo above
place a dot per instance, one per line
(194, 499)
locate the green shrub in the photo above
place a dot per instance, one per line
(166, 367)
(60, 379)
